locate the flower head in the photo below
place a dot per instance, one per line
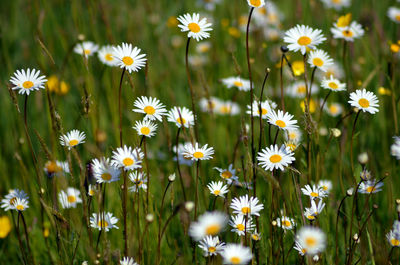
(104, 171)
(240, 226)
(314, 192)
(127, 158)
(274, 157)
(197, 28)
(69, 198)
(333, 84)
(256, 3)
(245, 206)
(106, 55)
(195, 152)
(72, 139)
(283, 120)
(181, 116)
(218, 188)
(208, 224)
(302, 37)
(370, 186)
(238, 82)
(319, 59)
(129, 57)
(394, 14)
(86, 48)
(27, 80)
(312, 239)
(211, 246)
(236, 254)
(285, 222)
(139, 181)
(364, 100)
(152, 107)
(145, 128)
(103, 221)
(8, 202)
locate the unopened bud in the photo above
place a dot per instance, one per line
(323, 131)
(81, 37)
(397, 201)
(189, 206)
(349, 192)
(363, 158)
(336, 132)
(172, 177)
(316, 258)
(149, 218)
(355, 237)
(274, 223)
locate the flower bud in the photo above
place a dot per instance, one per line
(189, 206)
(336, 132)
(149, 218)
(172, 177)
(363, 158)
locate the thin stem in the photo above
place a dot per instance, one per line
(119, 106)
(125, 197)
(196, 189)
(351, 143)
(281, 83)
(336, 229)
(191, 89)
(177, 163)
(27, 237)
(323, 104)
(148, 173)
(21, 246)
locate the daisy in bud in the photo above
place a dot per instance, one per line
(395, 148)
(27, 81)
(370, 186)
(314, 192)
(195, 152)
(70, 198)
(228, 174)
(208, 224)
(127, 261)
(256, 3)
(86, 48)
(302, 37)
(106, 55)
(319, 59)
(283, 120)
(20, 204)
(333, 84)
(394, 14)
(238, 82)
(326, 185)
(127, 158)
(104, 171)
(145, 128)
(285, 223)
(181, 117)
(152, 107)
(364, 100)
(236, 254)
(129, 57)
(218, 188)
(240, 225)
(211, 246)
(315, 209)
(265, 109)
(245, 206)
(139, 181)
(72, 139)
(197, 28)
(313, 239)
(274, 157)
(103, 221)
(8, 202)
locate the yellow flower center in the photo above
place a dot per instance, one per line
(255, 237)
(71, 199)
(226, 174)
(106, 176)
(371, 189)
(20, 207)
(292, 146)
(286, 223)
(240, 227)
(311, 241)
(128, 162)
(91, 192)
(213, 229)
(194, 27)
(102, 223)
(149, 110)
(181, 121)
(280, 123)
(263, 111)
(397, 17)
(314, 194)
(198, 155)
(394, 242)
(245, 210)
(275, 158)
(304, 41)
(87, 51)
(255, 3)
(238, 83)
(347, 33)
(311, 217)
(73, 142)
(127, 60)
(217, 192)
(292, 136)
(325, 187)
(364, 103)
(212, 249)
(333, 85)
(145, 130)
(301, 89)
(27, 84)
(303, 250)
(52, 167)
(318, 62)
(237, 260)
(108, 57)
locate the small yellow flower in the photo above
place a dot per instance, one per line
(298, 68)
(5, 226)
(234, 32)
(384, 91)
(394, 48)
(344, 21)
(57, 86)
(172, 22)
(46, 232)
(313, 106)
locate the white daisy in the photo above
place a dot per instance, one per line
(228, 174)
(335, 70)
(208, 224)
(203, 47)
(56, 168)
(70, 198)
(333, 109)
(106, 55)
(238, 82)
(256, 3)
(8, 202)
(127, 158)
(104, 171)
(127, 261)
(314, 192)
(302, 251)
(348, 33)
(394, 14)
(218, 188)
(274, 157)
(211, 246)
(285, 223)
(196, 28)
(395, 148)
(129, 57)
(145, 128)
(255, 236)
(181, 116)
(152, 107)
(86, 48)
(302, 37)
(245, 206)
(209, 104)
(315, 209)
(336, 4)
(236, 254)
(364, 100)
(320, 59)
(20, 204)
(283, 120)
(333, 84)
(265, 109)
(139, 181)
(393, 239)
(298, 90)
(198, 153)
(293, 135)
(370, 186)
(325, 184)
(313, 239)
(72, 139)
(240, 226)
(27, 81)
(182, 159)
(228, 108)
(103, 221)
(92, 190)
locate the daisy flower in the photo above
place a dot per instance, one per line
(283, 120)
(197, 153)
(393, 239)
(56, 168)
(228, 108)
(334, 109)
(335, 70)
(203, 47)
(86, 48)
(239, 224)
(314, 192)
(285, 223)
(236, 254)
(103, 221)
(127, 158)
(228, 174)
(104, 171)
(265, 109)
(245, 206)
(106, 55)
(72, 139)
(364, 100)
(92, 190)
(218, 188)
(181, 116)
(320, 59)
(8, 202)
(152, 107)
(302, 37)
(208, 224)
(182, 159)
(255, 236)
(348, 33)
(333, 84)
(145, 128)
(238, 82)
(394, 14)
(302, 251)
(27, 80)
(127, 261)
(313, 239)
(293, 135)
(129, 57)
(274, 157)
(315, 209)
(211, 246)
(70, 198)
(370, 186)
(336, 4)
(20, 204)
(256, 3)
(298, 90)
(196, 28)
(139, 180)
(209, 104)
(395, 148)
(326, 185)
